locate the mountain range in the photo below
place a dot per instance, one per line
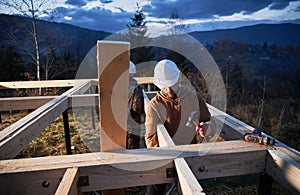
(285, 34)
(65, 37)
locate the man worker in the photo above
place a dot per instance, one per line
(136, 111)
(172, 105)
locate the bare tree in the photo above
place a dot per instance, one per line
(262, 101)
(31, 9)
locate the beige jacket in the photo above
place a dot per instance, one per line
(174, 114)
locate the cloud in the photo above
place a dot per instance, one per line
(76, 2)
(188, 9)
(96, 18)
(114, 15)
(106, 1)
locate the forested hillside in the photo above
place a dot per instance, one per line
(261, 75)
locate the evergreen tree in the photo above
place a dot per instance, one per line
(139, 39)
(137, 29)
(10, 65)
(176, 23)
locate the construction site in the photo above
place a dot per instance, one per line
(114, 168)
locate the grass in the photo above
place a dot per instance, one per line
(51, 142)
(85, 139)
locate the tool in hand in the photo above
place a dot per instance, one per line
(256, 137)
(194, 119)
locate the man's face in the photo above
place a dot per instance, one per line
(172, 91)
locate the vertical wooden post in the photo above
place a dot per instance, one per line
(265, 184)
(67, 132)
(113, 70)
(92, 113)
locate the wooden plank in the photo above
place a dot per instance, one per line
(131, 167)
(284, 170)
(234, 129)
(43, 84)
(231, 128)
(144, 80)
(113, 64)
(188, 182)
(113, 70)
(83, 100)
(18, 135)
(36, 84)
(164, 138)
(68, 184)
(24, 103)
(126, 156)
(31, 183)
(227, 164)
(119, 177)
(31, 103)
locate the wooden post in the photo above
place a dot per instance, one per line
(113, 66)
(265, 184)
(67, 132)
(92, 113)
(113, 70)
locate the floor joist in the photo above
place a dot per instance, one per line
(132, 167)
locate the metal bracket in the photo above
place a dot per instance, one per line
(83, 181)
(170, 172)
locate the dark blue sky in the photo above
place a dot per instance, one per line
(196, 15)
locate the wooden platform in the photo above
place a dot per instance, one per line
(116, 167)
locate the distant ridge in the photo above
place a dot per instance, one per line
(279, 34)
(68, 37)
(80, 40)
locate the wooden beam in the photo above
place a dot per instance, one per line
(83, 100)
(144, 80)
(113, 70)
(68, 184)
(31, 183)
(164, 138)
(232, 128)
(187, 180)
(23, 103)
(36, 84)
(227, 164)
(131, 167)
(31, 103)
(42, 84)
(284, 170)
(18, 135)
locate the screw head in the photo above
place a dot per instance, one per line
(201, 168)
(45, 184)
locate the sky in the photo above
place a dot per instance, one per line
(195, 15)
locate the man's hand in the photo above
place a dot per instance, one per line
(201, 128)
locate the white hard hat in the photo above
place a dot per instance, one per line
(132, 69)
(166, 74)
